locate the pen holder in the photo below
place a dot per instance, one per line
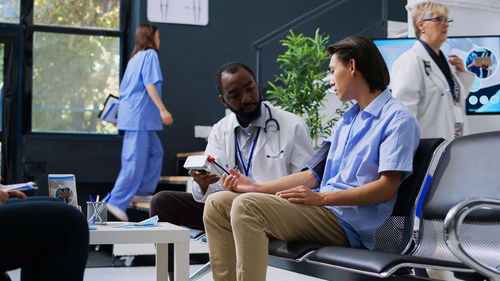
(97, 212)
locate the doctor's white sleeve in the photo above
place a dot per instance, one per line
(215, 148)
(407, 81)
(467, 78)
(302, 150)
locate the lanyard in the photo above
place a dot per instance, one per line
(246, 168)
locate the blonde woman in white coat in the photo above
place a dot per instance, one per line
(434, 88)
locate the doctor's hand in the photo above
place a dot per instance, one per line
(237, 182)
(203, 179)
(457, 63)
(303, 195)
(166, 117)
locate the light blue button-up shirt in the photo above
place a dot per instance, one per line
(386, 141)
(137, 110)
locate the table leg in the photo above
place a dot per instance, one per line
(162, 262)
(181, 261)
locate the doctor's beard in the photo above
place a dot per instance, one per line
(248, 116)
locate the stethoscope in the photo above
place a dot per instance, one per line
(427, 69)
(276, 129)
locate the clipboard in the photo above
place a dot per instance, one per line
(109, 111)
(486, 61)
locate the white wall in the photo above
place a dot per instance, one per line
(471, 18)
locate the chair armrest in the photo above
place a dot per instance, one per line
(453, 221)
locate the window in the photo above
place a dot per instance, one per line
(9, 11)
(72, 76)
(76, 63)
(78, 13)
(62, 58)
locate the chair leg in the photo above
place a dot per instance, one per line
(200, 272)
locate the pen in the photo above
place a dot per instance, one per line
(92, 218)
(106, 199)
(211, 159)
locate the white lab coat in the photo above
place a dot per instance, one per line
(294, 139)
(428, 96)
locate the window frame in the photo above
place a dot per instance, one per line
(27, 21)
(10, 37)
(20, 132)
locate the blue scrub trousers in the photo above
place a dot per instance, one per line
(142, 156)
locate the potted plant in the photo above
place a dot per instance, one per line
(301, 88)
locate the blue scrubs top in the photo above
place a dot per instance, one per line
(385, 139)
(137, 110)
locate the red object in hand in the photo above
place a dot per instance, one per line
(210, 159)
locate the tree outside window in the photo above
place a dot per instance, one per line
(74, 73)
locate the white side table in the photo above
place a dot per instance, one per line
(163, 234)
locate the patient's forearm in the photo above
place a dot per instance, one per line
(306, 178)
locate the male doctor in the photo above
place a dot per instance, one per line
(257, 139)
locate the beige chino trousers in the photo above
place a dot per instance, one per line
(238, 228)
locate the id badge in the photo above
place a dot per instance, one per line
(459, 116)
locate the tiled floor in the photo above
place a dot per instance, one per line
(147, 273)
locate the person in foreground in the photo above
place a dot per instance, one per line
(433, 88)
(370, 151)
(140, 115)
(245, 139)
(43, 236)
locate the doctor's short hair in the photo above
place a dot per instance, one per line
(231, 68)
(425, 10)
(368, 60)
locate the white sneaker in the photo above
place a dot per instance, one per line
(117, 212)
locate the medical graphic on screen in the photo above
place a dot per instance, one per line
(480, 56)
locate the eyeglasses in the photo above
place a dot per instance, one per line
(441, 20)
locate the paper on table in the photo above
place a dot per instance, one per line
(19, 186)
(151, 222)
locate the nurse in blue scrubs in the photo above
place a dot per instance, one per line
(140, 115)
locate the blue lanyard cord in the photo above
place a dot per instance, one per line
(246, 168)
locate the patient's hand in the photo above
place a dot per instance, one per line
(10, 194)
(302, 194)
(237, 182)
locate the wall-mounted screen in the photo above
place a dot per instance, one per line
(480, 56)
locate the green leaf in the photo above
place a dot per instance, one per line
(302, 89)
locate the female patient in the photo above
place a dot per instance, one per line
(43, 236)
